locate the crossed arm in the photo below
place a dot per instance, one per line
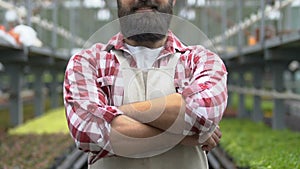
(162, 117)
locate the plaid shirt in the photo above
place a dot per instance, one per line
(93, 90)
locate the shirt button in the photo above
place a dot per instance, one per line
(185, 83)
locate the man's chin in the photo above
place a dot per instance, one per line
(147, 37)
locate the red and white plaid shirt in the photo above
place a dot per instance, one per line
(92, 97)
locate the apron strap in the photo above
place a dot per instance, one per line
(174, 60)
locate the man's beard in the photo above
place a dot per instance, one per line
(146, 26)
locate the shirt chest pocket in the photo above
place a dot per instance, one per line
(106, 80)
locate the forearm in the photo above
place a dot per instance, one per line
(131, 138)
(165, 113)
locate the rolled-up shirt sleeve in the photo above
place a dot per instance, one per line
(86, 104)
(205, 94)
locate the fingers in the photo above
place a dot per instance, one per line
(218, 132)
(205, 148)
(190, 141)
(213, 140)
(216, 139)
(217, 135)
(209, 144)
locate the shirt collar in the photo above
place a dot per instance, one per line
(172, 45)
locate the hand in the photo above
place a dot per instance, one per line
(213, 140)
(190, 141)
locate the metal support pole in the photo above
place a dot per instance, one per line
(296, 87)
(230, 81)
(16, 75)
(298, 14)
(262, 25)
(279, 23)
(2, 76)
(29, 12)
(39, 98)
(72, 27)
(257, 114)
(224, 26)
(197, 21)
(53, 89)
(242, 113)
(293, 81)
(278, 119)
(204, 20)
(54, 18)
(240, 6)
(288, 24)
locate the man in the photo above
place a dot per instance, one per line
(145, 100)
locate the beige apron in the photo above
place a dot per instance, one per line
(140, 85)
